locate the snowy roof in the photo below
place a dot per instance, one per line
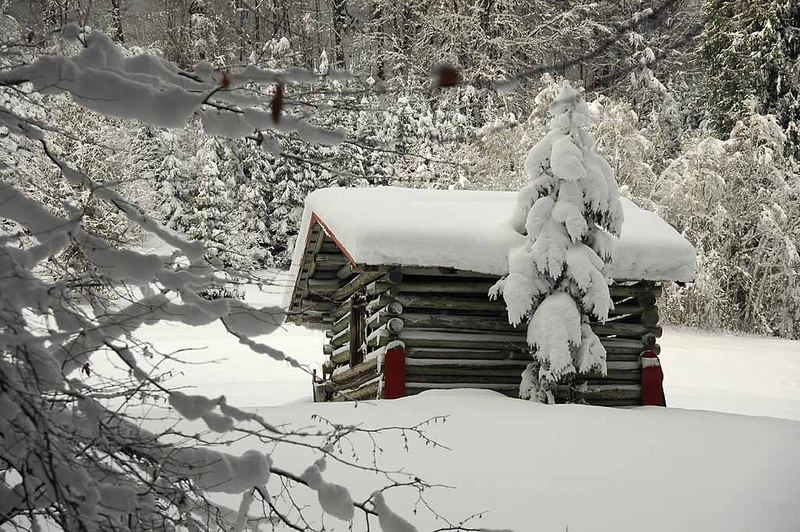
(470, 230)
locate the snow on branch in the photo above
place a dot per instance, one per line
(75, 451)
(570, 215)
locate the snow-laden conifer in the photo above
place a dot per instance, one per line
(571, 214)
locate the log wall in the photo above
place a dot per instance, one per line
(452, 336)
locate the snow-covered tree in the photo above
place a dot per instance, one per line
(752, 51)
(571, 214)
(737, 201)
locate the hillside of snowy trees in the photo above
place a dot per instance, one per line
(694, 103)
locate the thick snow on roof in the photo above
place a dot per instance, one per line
(470, 230)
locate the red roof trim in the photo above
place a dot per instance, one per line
(317, 219)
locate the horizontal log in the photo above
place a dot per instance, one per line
(623, 342)
(469, 378)
(649, 316)
(604, 391)
(329, 246)
(341, 323)
(612, 375)
(617, 290)
(444, 272)
(627, 353)
(416, 338)
(328, 271)
(352, 375)
(628, 308)
(627, 330)
(477, 354)
(450, 303)
(466, 362)
(341, 354)
(365, 392)
(623, 365)
(383, 315)
(332, 259)
(327, 349)
(453, 321)
(463, 381)
(340, 338)
(513, 336)
(342, 309)
(323, 286)
(357, 283)
(347, 270)
(477, 372)
(432, 287)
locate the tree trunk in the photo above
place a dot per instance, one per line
(339, 19)
(116, 17)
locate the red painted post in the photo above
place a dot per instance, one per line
(394, 373)
(652, 380)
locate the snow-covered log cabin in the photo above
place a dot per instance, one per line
(400, 278)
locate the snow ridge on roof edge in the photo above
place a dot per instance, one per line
(469, 230)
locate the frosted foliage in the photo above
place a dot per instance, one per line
(738, 201)
(591, 354)
(78, 385)
(220, 472)
(522, 285)
(550, 247)
(538, 159)
(528, 385)
(555, 329)
(105, 81)
(567, 160)
(334, 499)
(557, 277)
(389, 521)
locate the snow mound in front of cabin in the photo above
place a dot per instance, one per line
(472, 230)
(625, 470)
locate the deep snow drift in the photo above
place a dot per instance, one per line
(552, 468)
(603, 469)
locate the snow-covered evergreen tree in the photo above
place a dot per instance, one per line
(752, 50)
(737, 201)
(570, 213)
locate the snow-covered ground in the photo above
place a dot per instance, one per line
(738, 374)
(549, 468)
(555, 468)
